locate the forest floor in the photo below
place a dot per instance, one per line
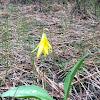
(71, 35)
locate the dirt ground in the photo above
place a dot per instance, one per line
(71, 36)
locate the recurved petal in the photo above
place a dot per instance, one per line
(50, 47)
(36, 48)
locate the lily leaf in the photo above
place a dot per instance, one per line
(70, 77)
(28, 91)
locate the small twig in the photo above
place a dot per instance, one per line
(92, 76)
(5, 84)
(49, 81)
(78, 78)
(53, 88)
(85, 78)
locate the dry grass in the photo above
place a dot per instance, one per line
(72, 37)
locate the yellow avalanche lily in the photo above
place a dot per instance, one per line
(43, 45)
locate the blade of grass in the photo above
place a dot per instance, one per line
(70, 77)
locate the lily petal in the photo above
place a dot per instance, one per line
(43, 45)
(50, 47)
(40, 49)
(46, 49)
(36, 48)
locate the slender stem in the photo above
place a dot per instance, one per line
(55, 68)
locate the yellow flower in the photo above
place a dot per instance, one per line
(43, 45)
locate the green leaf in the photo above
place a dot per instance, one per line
(28, 91)
(70, 77)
